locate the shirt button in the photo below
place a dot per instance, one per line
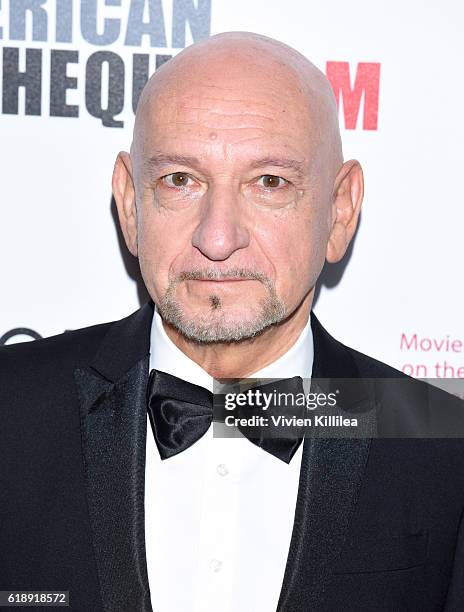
(222, 469)
(215, 565)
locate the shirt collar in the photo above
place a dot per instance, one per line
(167, 357)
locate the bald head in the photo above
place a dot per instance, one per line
(236, 63)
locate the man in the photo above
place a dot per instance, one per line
(232, 197)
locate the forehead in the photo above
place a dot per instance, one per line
(232, 115)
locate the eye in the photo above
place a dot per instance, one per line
(270, 181)
(177, 179)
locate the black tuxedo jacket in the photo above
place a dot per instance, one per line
(378, 523)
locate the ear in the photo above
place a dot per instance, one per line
(346, 205)
(124, 195)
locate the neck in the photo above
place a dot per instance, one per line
(241, 359)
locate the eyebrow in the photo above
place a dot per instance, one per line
(279, 162)
(164, 159)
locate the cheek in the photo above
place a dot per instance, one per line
(295, 246)
(160, 243)
(149, 231)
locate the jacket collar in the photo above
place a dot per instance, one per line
(126, 343)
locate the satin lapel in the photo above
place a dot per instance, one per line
(113, 421)
(112, 398)
(330, 479)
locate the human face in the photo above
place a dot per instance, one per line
(232, 204)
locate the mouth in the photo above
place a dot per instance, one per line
(232, 279)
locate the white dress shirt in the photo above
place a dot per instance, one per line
(219, 515)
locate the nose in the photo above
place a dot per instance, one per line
(221, 231)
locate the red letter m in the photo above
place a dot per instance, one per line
(366, 82)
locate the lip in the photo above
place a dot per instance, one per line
(223, 280)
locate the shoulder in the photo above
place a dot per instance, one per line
(417, 419)
(37, 388)
(46, 365)
(418, 425)
(373, 368)
(45, 368)
(338, 360)
(403, 383)
(402, 387)
(405, 402)
(68, 347)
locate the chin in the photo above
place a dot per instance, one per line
(217, 323)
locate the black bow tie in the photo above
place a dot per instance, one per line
(181, 413)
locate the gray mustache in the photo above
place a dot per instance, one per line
(214, 274)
